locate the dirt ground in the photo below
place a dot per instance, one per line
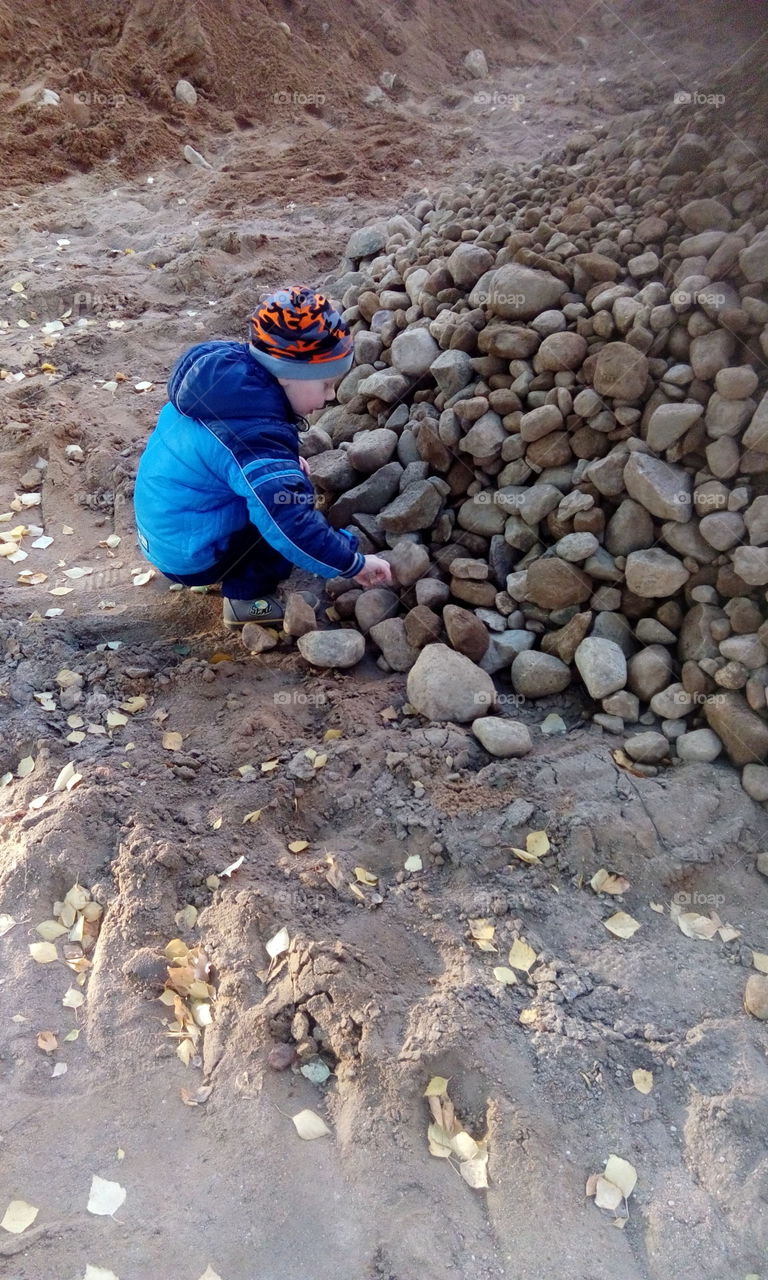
(104, 223)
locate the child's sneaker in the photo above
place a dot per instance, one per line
(265, 609)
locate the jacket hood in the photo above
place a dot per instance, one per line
(221, 380)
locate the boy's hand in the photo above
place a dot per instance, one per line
(304, 466)
(375, 573)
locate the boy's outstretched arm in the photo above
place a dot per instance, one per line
(281, 505)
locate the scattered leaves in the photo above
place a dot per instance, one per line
(642, 1080)
(614, 1185)
(609, 882)
(172, 741)
(18, 1216)
(506, 976)
(447, 1138)
(536, 845)
(621, 925)
(482, 932)
(278, 943)
(310, 1125)
(43, 952)
(105, 1197)
(365, 877)
(522, 956)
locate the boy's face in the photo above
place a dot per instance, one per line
(305, 396)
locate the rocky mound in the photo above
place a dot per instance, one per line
(557, 433)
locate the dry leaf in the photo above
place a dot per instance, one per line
(253, 816)
(187, 917)
(47, 1041)
(528, 1017)
(59, 1070)
(18, 1216)
(331, 735)
(73, 999)
(309, 1125)
(25, 767)
(642, 1080)
(437, 1086)
(728, 933)
(365, 877)
(413, 863)
(622, 925)
(609, 882)
(607, 1195)
(210, 1274)
(233, 866)
(320, 761)
(105, 1197)
(522, 956)
(537, 843)
(68, 778)
(657, 907)
(268, 765)
(43, 952)
(216, 823)
(50, 930)
(116, 719)
(98, 1273)
(172, 741)
(298, 846)
(196, 1097)
(760, 961)
(475, 1171)
(132, 705)
(278, 943)
(6, 924)
(504, 975)
(141, 579)
(694, 925)
(622, 1174)
(72, 1035)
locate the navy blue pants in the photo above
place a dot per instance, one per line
(249, 568)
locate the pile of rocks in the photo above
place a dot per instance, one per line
(555, 433)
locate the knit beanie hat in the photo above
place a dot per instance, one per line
(296, 333)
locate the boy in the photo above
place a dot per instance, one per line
(221, 492)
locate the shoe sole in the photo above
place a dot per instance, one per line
(232, 625)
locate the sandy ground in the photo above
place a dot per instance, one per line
(154, 256)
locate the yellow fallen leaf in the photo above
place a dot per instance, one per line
(522, 956)
(439, 1142)
(475, 1171)
(132, 705)
(482, 930)
(694, 925)
(728, 933)
(216, 823)
(622, 1174)
(657, 907)
(413, 863)
(506, 976)
(18, 1216)
(365, 876)
(528, 1017)
(50, 930)
(172, 741)
(68, 778)
(607, 1194)
(760, 961)
(622, 925)
(437, 1086)
(253, 816)
(116, 719)
(310, 1125)
(176, 949)
(6, 923)
(184, 1051)
(141, 579)
(642, 1080)
(210, 1274)
(278, 943)
(268, 765)
(105, 1197)
(525, 856)
(25, 767)
(72, 1035)
(537, 843)
(320, 761)
(229, 871)
(298, 846)
(331, 735)
(73, 999)
(464, 1146)
(47, 1041)
(43, 952)
(609, 882)
(98, 1273)
(187, 917)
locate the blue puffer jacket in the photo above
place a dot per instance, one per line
(225, 453)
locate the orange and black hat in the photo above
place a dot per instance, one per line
(297, 333)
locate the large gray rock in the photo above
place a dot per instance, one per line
(700, 746)
(367, 241)
(665, 491)
(332, 648)
(514, 292)
(654, 572)
(391, 638)
(601, 665)
(452, 370)
(413, 351)
(374, 605)
(372, 449)
(669, 422)
(621, 371)
(536, 675)
(753, 260)
(503, 738)
(741, 731)
(415, 508)
(369, 496)
(751, 564)
(385, 384)
(630, 528)
(468, 263)
(648, 748)
(444, 685)
(332, 470)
